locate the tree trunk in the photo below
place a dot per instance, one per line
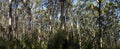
(62, 15)
(10, 20)
(99, 41)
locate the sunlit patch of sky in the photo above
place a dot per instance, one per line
(44, 7)
(94, 3)
(107, 1)
(58, 15)
(75, 1)
(20, 6)
(118, 11)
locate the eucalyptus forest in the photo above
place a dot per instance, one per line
(59, 24)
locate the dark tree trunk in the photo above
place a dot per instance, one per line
(65, 44)
(10, 21)
(62, 14)
(100, 27)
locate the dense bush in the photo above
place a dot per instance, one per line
(59, 40)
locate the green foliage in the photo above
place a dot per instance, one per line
(26, 43)
(57, 41)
